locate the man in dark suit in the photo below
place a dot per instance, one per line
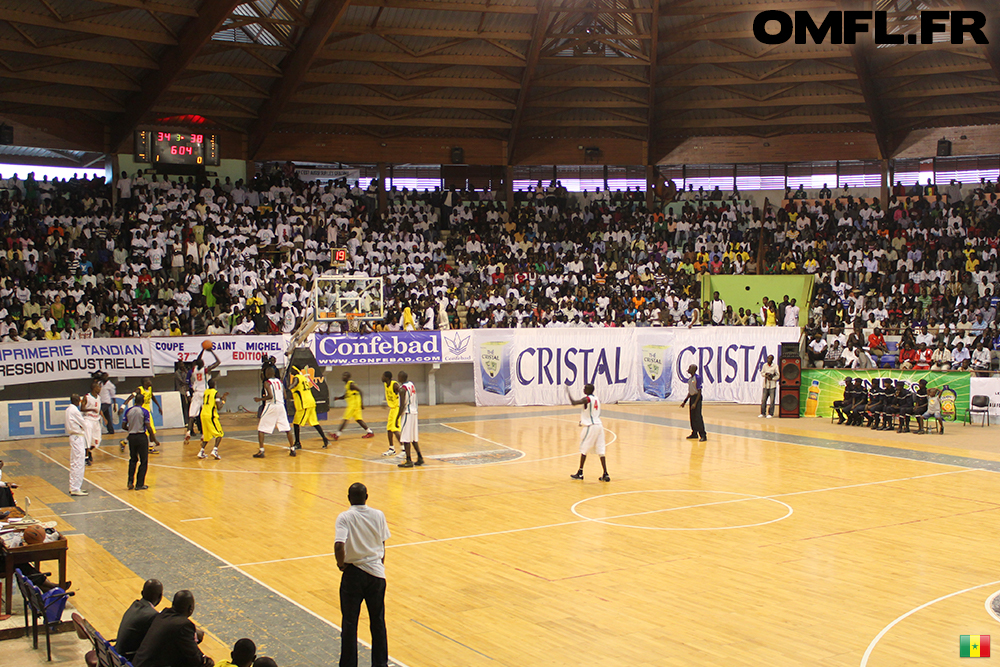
(137, 619)
(171, 640)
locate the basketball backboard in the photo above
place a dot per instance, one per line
(337, 296)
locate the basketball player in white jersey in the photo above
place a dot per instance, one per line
(91, 408)
(593, 430)
(198, 378)
(274, 415)
(406, 421)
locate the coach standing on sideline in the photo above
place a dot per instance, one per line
(769, 373)
(360, 549)
(137, 425)
(76, 427)
(693, 399)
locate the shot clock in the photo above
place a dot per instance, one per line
(338, 258)
(164, 146)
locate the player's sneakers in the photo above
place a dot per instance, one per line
(154, 450)
(693, 436)
(215, 454)
(326, 443)
(336, 435)
(201, 454)
(605, 477)
(419, 462)
(187, 438)
(369, 434)
(578, 475)
(291, 450)
(78, 493)
(259, 455)
(121, 446)
(389, 452)
(406, 464)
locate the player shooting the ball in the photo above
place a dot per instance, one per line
(198, 377)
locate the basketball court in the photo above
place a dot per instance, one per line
(777, 542)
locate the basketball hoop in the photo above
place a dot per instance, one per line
(353, 322)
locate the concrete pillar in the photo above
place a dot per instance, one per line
(886, 184)
(508, 181)
(382, 174)
(650, 185)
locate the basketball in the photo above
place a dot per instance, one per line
(34, 535)
(206, 345)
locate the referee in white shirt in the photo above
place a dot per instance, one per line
(360, 549)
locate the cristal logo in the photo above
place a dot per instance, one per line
(491, 362)
(778, 27)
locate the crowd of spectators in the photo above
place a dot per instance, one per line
(175, 257)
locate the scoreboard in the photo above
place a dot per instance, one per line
(162, 146)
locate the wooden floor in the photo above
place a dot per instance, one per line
(777, 542)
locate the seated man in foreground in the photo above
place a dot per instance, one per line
(137, 619)
(172, 639)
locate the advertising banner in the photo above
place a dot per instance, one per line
(235, 352)
(730, 359)
(822, 386)
(46, 418)
(457, 346)
(988, 386)
(535, 366)
(390, 347)
(306, 175)
(44, 361)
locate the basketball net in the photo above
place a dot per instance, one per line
(353, 322)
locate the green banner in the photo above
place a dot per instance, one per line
(823, 386)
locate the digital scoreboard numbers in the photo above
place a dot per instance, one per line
(176, 147)
(339, 259)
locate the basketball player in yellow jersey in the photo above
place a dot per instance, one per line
(392, 400)
(305, 409)
(210, 425)
(145, 393)
(355, 404)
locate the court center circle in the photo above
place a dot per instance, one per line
(732, 498)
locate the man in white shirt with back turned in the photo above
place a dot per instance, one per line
(359, 546)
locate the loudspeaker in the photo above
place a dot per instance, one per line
(6, 135)
(789, 351)
(944, 148)
(457, 155)
(790, 372)
(790, 382)
(788, 402)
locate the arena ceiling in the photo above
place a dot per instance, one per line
(513, 71)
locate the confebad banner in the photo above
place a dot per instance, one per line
(235, 352)
(45, 361)
(390, 347)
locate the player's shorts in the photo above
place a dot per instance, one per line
(408, 429)
(592, 438)
(273, 417)
(306, 417)
(353, 413)
(210, 428)
(197, 399)
(92, 432)
(390, 423)
(152, 427)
